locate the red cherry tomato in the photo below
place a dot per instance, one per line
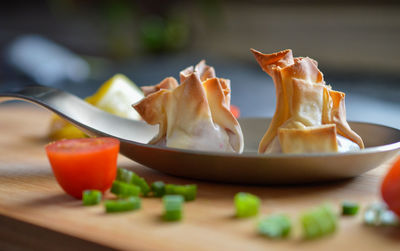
(235, 111)
(391, 188)
(80, 164)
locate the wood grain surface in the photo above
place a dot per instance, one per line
(33, 205)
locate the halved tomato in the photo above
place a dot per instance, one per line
(391, 188)
(80, 164)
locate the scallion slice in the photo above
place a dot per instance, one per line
(140, 182)
(189, 192)
(246, 205)
(275, 226)
(91, 197)
(122, 205)
(349, 208)
(124, 190)
(158, 188)
(318, 222)
(173, 207)
(378, 214)
(124, 175)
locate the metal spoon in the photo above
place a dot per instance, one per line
(249, 168)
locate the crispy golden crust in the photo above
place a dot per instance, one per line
(338, 115)
(303, 68)
(221, 113)
(271, 61)
(167, 83)
(187, 111)
(303, 98)
(306, 104)
(309, 139)
(205, 71)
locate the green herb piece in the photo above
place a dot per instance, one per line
(275, 226)
(158, 188)
(350, 208)
(378, 214)
(124, 190)
(124, 175)
(173, 207)
(91, 197)
(318, 222)
(140, 182)
(122, 205)
(189, 192)
(246, 205)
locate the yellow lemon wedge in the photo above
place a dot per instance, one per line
(62, 129)
(115, 96)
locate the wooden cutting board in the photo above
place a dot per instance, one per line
(35, 212)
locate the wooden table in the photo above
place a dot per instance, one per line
(36, 213)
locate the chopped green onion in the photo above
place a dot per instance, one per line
(122, 205)
(127, 176)
(378, 214)
(173, 207)
(91, 197)
(246, 205)
(389, 218)
(189, 192)
(318, 222)
(124, 190)
(124, 175)
(158, 188)
(275, 226)
(350, 208)
(140, 182)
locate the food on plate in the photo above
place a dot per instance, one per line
(194, 114)
(275, 226)
(318, 222)
(246, 205)
(173, 207)
(390, 188)
(309, 116)
(123, 205)
(91, 197)
(349, 208)
(188, 192)
(115, 96)
(82, 164)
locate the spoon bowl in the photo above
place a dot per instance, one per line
(382, 143)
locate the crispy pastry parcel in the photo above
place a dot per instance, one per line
(309, 116)
(194, 114)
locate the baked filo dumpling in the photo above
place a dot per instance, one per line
(309, 117)
(194, 114)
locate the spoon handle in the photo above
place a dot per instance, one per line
(40, 95)
(88, 118)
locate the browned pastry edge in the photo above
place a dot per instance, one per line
(167, 83)
(308, 140)
(284, 69)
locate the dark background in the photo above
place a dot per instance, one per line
(357, 45)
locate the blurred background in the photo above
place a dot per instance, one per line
(77, 45)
